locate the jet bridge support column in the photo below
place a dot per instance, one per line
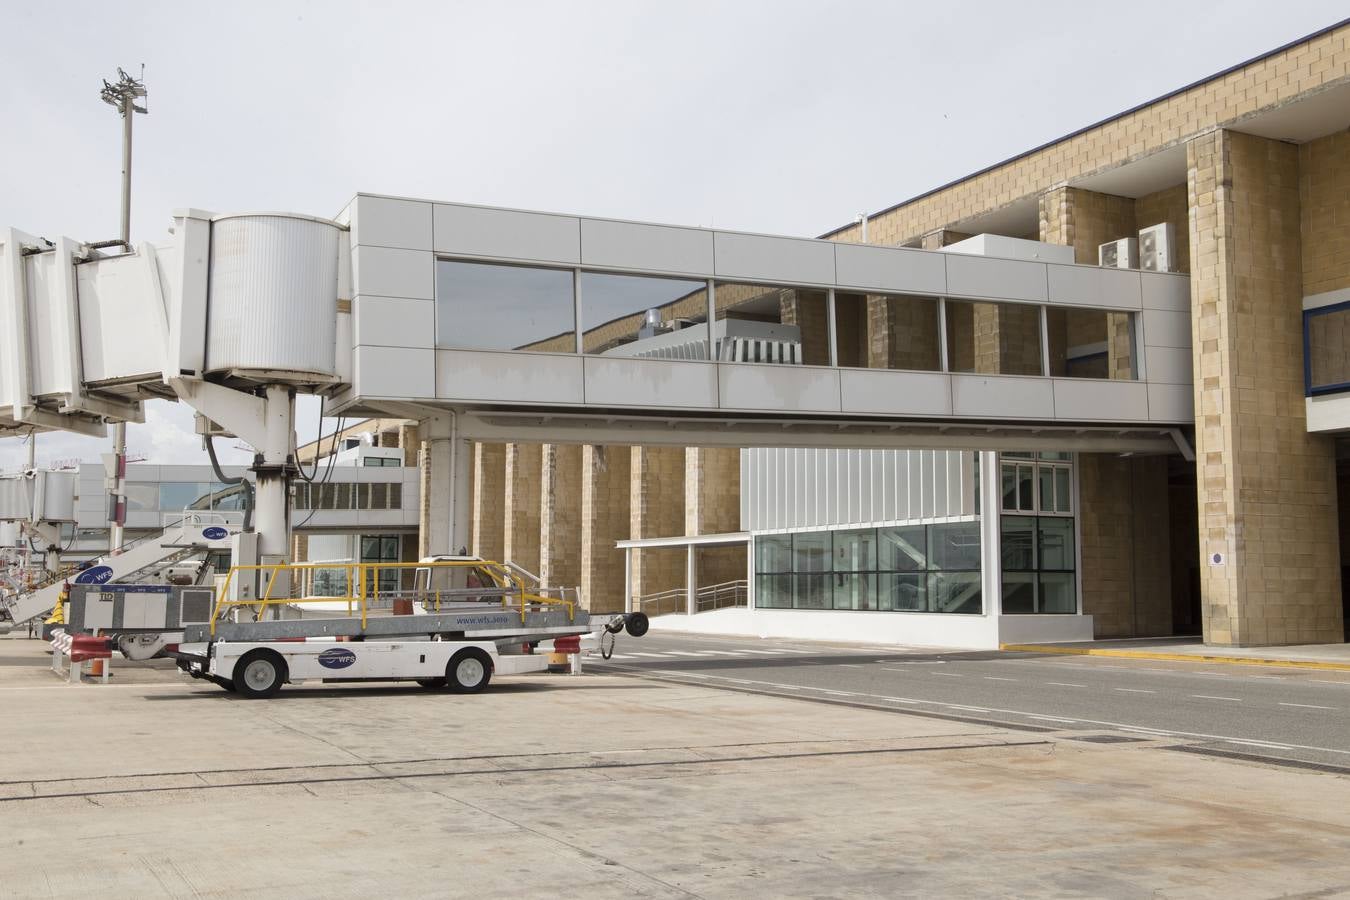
(446, 488)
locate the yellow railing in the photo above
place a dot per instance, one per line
(363, 587)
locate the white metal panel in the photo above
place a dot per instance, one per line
(977, 276)
(878, 269)
(506, 233)
(651, 248)
(393, 322)
(650, 383)
(775, 259)
(1003, 397)
(1171, 403)
(1094, 286)
(123, 324)
(485, 375)
(1004, 247)
(1167, 329)
(395, 372)
(386, 222)
(1091, 399)
(1167, 365)
(778, 387)
(387, 272)
(1164, 291)
(896, 393)
(48, 351)
(273, 300)
(792, 488)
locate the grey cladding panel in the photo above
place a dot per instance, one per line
(652, 248)
(890, 269)
(978, 276)
(752, 256)
(1094, 286)
(474, 231)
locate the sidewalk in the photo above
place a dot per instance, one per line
(1333, 657)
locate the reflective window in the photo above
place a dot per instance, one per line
(954, 592)
(1326, 346)
(773, 553)
(902, 549)
(855, 590)
(902, 592)
(142, 497)
(813, 592)
(773, 591)
(637, 315)
(855, 551)
(955, 545)
(760, 323)
(993, 338)
(483, 306)
(877, 331)
(180, 495)
(811, 552)
(1091, 343)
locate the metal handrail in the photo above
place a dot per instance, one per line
(713, 596)
(363, 590)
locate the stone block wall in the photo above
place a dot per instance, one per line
(1124, 526)
(489, 501)
(657, 510)
(560, 516)
(520, 543)
(712, 490)
(606, 494)
(1171, 206)
(1324, 206)
(1266, 488)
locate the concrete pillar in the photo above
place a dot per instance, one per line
(1270, 571)
(606, 494)
(489, 501)
(523, 470)
(446, 471)
(1084, 220)
(657, 510)
(560, 516)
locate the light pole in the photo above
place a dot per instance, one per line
(122, 96)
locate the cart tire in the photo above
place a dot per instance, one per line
(637, 624)
(469, 671)
(259, 674)
(432, 683)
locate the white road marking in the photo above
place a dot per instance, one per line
(1208, 697)
(1065, 684)
(997, 678)
(1322, 681)
(681, 653)
(653, 655)
(768, 652)
(1307, 705)
(950, 674)
(1052, 719)
(1134, 691)
(851, 666)
(967, 708)
(919, 662)
(621, 656)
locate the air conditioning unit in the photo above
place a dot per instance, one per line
(1155, 248)
(1121, 254)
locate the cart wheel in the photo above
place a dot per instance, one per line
(432, 683)
(469, 671)
(259, 674)
(637, 624)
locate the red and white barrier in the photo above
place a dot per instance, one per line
(79, 649)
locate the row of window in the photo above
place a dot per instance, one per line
(345, 495)
(491, 306)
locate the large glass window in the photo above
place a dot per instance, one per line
(910, 568)
(993, 338)
(876, 331)
(1037, 552)
(1326, 348)
(175, 496)
(484, 306)
(637, 315)
(382, 548)
(1090, 343)
(762, 323)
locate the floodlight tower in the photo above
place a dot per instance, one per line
(122, 95)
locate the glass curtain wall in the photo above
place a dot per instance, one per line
(1038, 551)
(905, 568)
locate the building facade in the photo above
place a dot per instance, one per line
(1239, 183)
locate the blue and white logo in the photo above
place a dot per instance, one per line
(215, 533)
(336, 658)
(95, 575)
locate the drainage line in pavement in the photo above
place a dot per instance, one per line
(1284, 761)
(527, 771)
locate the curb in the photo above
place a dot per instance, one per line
(1180, 657)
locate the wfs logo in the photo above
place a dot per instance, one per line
(95, 575)
(215, 533)
(336, 658)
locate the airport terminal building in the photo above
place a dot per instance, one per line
(1222, 214)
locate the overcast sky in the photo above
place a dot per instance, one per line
(784, 117)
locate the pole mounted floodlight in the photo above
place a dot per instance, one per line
(122, 96)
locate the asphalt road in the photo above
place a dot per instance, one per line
(1295, 716)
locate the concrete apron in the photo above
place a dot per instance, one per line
(1327, 657)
